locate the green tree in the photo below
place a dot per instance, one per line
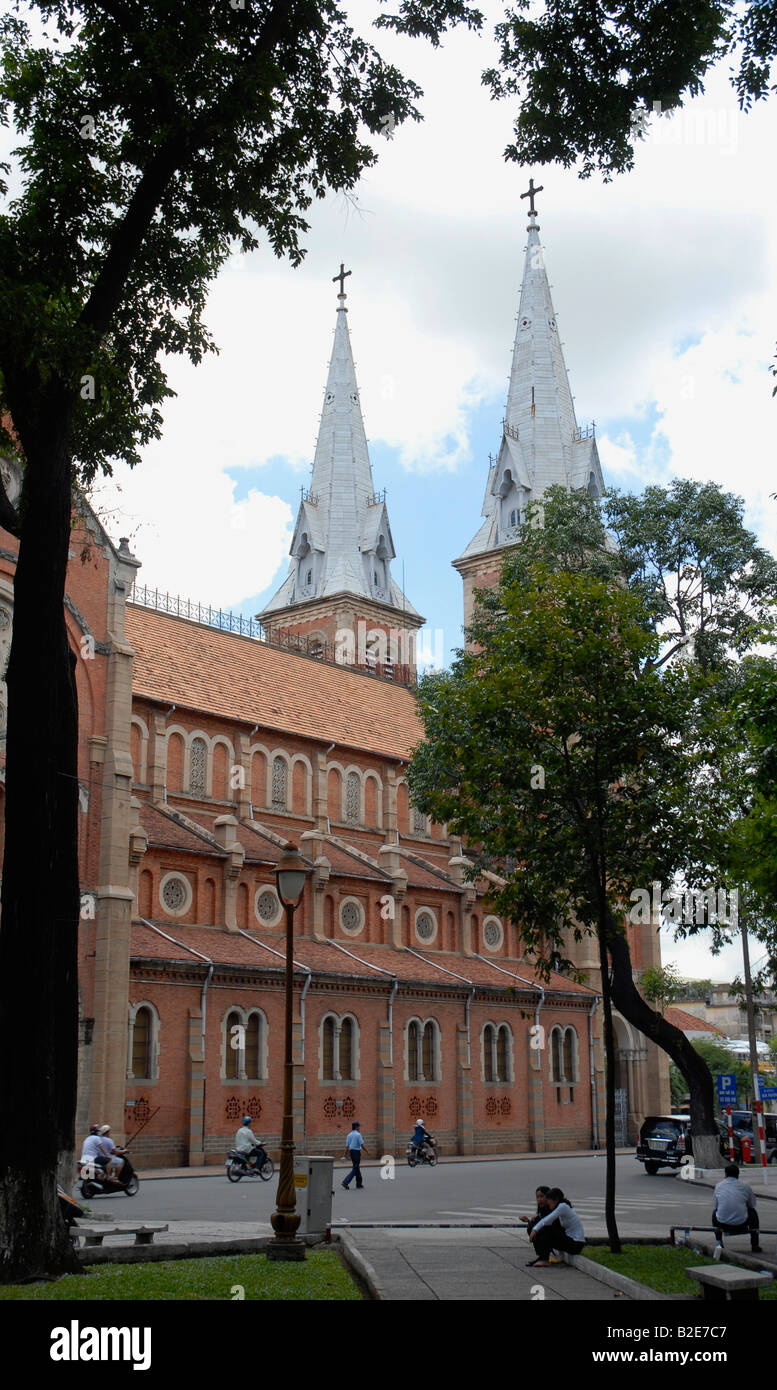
(589, 75)
(553, 748)
(661, 985)
(153, 141)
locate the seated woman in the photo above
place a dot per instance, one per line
(560, 1230)
(542, 1209)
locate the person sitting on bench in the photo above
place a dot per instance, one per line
(734, 1212)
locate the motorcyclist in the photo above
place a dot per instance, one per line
(247, 1144)
(420, 1136)
(93, 1152)
(115, 1162)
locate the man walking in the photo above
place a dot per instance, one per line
(734, 1211)
(354, 1145)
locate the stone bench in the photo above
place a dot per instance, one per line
(144, 1234)
(727, 1283)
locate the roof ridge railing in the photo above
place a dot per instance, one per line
(162, 602)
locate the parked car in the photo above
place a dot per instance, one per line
(664, 1141)
(742, 1128)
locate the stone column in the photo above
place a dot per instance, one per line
(536, 1103)
(157, 756)
(225, 832)
(196, 1091)
(464, 1104)
(242, 795)
(385, 1090)
(312, 846)
(320, 794)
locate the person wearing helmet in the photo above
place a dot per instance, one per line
(114, 1161)
(247, 1143)
(93, 1154)
(420, 1135)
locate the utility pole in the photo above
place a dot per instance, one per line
(752, 1042)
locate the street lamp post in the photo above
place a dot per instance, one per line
(290, 877)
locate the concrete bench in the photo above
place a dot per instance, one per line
(144, 1234)
(729, 1284)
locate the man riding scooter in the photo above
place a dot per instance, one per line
(247, 1144)
(420, 1136)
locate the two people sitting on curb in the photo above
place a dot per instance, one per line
(560, 1228)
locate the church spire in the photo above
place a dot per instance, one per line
(541, 442)
(342, 546)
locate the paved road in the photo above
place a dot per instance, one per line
(451, 1192)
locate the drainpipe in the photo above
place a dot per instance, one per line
(594, 1120)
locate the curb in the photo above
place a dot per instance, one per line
(759, 1191)
(147, 1254)
(621, 1282)
(213, 1169)
(361, 1266)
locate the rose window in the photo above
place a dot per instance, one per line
(425, 926)
(267, 906)
(174, 894)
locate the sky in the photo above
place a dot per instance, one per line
(663, 284)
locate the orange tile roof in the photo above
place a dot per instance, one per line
(690, 1023)
(266, 951)
(239, 678)
(166, 829)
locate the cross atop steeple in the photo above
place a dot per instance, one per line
(530, 193)
(341, 277)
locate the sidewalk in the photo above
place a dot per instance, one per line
(430, 1264)
(148, 1174)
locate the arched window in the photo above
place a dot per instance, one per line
(232, 1050)
(346, 1050)
(352, 789)
(488, 1053)
(328, 1046)
(279, 784)
(419, 822)
(414, 1052)
(141, 1044)
(198, 767)
(253, 1049)
(503, 1054)
(429, 1058)
(570, 1056)
(556, 1057)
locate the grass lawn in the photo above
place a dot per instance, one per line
(322, 1275)
(660, 1267)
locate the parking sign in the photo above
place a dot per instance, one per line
(727, 1088)
(769, 1093)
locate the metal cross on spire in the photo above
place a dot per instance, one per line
(530, 194)
(341, 277)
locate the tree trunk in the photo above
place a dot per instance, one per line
(629, 1002)
(609, 1123)
(40, 907)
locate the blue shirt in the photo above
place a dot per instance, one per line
(354, 1140)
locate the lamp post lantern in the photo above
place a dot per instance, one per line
(290, 877)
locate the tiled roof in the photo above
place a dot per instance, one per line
(263, 950)
(170, 830)
(422, 874)
(689, 1023)
(202, 668)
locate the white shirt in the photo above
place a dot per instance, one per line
(92, 1148)
(568, 1219)
(732, 1199)
(245, 1140)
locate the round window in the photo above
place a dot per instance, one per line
(493, 934)
(268, 908)
(425, 926)
(351, 916)
(175, 894)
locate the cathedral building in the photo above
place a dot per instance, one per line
(209, 742)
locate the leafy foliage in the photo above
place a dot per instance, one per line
(588, 74)
(661, 985)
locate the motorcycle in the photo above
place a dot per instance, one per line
(95, 1183)
(239, 1166)
(424, 1153)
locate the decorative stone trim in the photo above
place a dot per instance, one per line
(262, 901)
(170, 894)
(426, 925)
(493, 934)
(352, 916)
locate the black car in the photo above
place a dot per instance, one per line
(664, 1141)
(742, 1128)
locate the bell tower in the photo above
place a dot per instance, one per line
(339, 594)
